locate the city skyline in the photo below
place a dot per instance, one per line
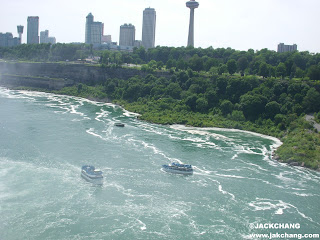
(239, 25)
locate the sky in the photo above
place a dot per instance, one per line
(239, 24)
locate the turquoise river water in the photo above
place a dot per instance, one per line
(236, 186)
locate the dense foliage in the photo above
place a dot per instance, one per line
(264, 63)
(46, 52)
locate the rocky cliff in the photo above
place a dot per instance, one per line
(58, 75)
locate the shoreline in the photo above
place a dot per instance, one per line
(274, 147)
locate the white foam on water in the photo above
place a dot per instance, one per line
(304, 194)
(91, 132)
(200, 131)
(220, 189)
(267, 204)
(204, 131)
(263, 204)
(225, 192)
(256, 166)
(143, 225)
(246, 150)
(229, 176)
(202, 171)
(153, 148)
(279, 211)
(285, 177)
(129, 114)
(102, 114)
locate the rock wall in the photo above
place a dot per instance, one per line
(10, 80)
(34, 73)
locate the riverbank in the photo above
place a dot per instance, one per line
(301, 144)
(297, 146)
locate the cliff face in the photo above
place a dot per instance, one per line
(60, 74)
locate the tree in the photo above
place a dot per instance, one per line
(144, 68)
(314, 72)
(281, 70)
(191, 101)
(152, 64)
(237, 116)
(242, 64)
(252, 105)
(202, 105)
(272, 109)
(160, 65)
(170, 63)
(141, 52)
(181, 64)
(212, 97)
(232, 66)
(311, 101)
(174, 90)
(196, 63)
(209, 63)
(264, 70)
(226, 107)
(299, 73)
(222, 69)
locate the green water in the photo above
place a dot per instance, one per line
(45, 139)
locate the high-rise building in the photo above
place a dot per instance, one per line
(286, 48)
(44, 37)
(127, 35)
(192, 4)
(106, 39)
(7, 40)
(94, 31)
(149, 28)
(137, 43)
(20, 31)
(33, 30)
(89, 21)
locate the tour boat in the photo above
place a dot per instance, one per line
(119, 124)
(91, 174)
(178, 168)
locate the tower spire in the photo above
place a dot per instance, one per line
(192, 4)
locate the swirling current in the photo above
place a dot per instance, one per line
(46, 138)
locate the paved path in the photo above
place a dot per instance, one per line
(310, 118)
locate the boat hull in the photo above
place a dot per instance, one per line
(95, 180)
(170, 170)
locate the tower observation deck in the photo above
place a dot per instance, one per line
(20, 32)
(192, 4)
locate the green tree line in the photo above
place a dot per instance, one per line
(264, 63)
(46, 52)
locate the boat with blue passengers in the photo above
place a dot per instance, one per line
(91, 174)
(178, 168)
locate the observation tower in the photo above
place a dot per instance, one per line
(192, 4)
(20, 31)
